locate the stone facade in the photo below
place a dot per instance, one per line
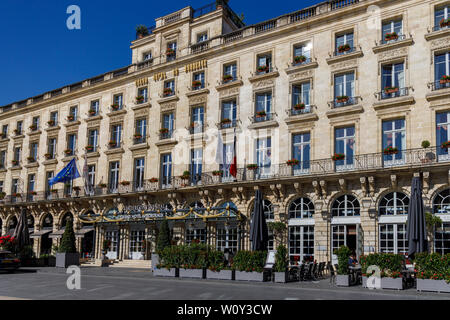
(369, 177)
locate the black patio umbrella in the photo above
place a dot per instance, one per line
(417, 234)
(259, 234)
(21, 233)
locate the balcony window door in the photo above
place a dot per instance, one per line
(139, 169)
(263, 106)
(441, 69)
(228, 160)
(230, 70)
(73, 113)
(168, 124)
(442, 135)
(141, 130)
(394, 135)
(172, 46)
(93, 140)
(264, 61)
(19, 127)
(202, 37)
(229, 114)
(48, 188)
(393, 76)
(52, 147)
(344, 86)
(91, 178)
(71, 144)
(166, 171)
(34, 151)
(17, 153)
(344, 40)
(196, 165)
(116, 136)
(441, 13)
(301, 149)
(31, 185)
(301, 98)
(197, 120)
(3, 159)
(169, 85)
(143, 92)
(35, 123)
(200, 77)
(264, 156)
(345, 144)
(95, 107)
(114, 177)
(118, 101)
(302, 51)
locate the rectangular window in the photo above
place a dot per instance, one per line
(301, 98)
(139, 167)
(4, 131)
(117, 102)
(53, 119)
(142, 95)
(1, 186)
(229, 72)
(31, 183)
(171, 51)
(116, 136)
(344, 43)
(202, 37)
(301, 149)
(114, 176)
(169, 88)
(73, 113)
(167, 126)
(393, 81)
(227, 238)
(196, 165)
(264, 63)
(197, 120)
(166, 171)
(344, 89)
(51, 148)
(33, 151)
(263, 108)
(264, 156)
(302, 53)
(394, 138)
(141, 131)
(442, 135)
(48, 189)
(17, 153)
(3, 159)
(14, 186)
(195, 235)
(301, 244)
(392, 31)
(228, 160)
(198, 81)
(442, 239)
(344, 144)
(229, 114)
(441, 14)
(393, 238)
(92, 141)
(91, 176)
(95, 108)
(442, 70)
(35, 124)
(71, 144)
(148, 56)
(19, 128)
(136, 243)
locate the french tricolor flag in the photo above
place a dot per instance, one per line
(233, 167)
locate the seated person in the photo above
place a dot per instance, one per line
(352, 260)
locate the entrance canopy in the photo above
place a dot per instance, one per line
(40, 233)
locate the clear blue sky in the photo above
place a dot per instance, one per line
(39, 53)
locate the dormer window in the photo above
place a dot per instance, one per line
(202, 37)
(147, 56)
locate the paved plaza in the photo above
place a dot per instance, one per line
(136, 284)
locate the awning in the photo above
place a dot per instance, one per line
(40, 233)
(57, 234)
(83, 231)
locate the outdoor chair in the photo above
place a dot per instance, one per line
(321, 269)
(309, 272)
(301, 273)
(332, 273)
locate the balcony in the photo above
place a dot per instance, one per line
(392, 39)
(344, 105)
(439, 89)
(394, 92)
(344, 101)
(301, 115)
(227, 124)
(343, 50)
(165, 134)
(262, 117)
(200, 47)
(139, 139)
(144, 64)
(196, 128)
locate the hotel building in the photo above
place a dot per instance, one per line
(336, 107)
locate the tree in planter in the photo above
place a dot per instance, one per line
(432, 222)
(343, 253)
(278, 229)
(164, 238)
(68, 239)
(281, 260)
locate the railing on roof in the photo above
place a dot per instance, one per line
(302, 14)
(204, 10)
(338, 4)
(120, 72)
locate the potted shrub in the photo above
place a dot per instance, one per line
(344, 48)
(227, 78)
(444, 22)
(252, 167)
(218, 173)
(249, 265)
(444, 80)
(16, 132)
(391, 36)
(163, 130)
(92, 112)
(7, 243)
(141, 31)
(168, 262)
(17, 195)
(103, 185)
(390, 266)
(70, 117)
(31, 159)
(299, 59)
(338, 157)
(293, 162)
(426, 144)
(154, 180)
(261, 114)
(343, 277)
(194, 261)
(48, 156)
(390, 151)
(67, 253)
(115, 106)
(186, 175)
(137, 136)
(2, 195)
(167, 92)
(262, 69)
(390, 90)
(226, 121)
(299, 106)
(433, 272)
(281, 265)
(15, 162)
(342, 99)
(216, 267)
(33, 127)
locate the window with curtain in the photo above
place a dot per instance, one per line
(196, 165)
(264, 155)
(393, 80)
(229, 114)
(301, 149)
(166, 170)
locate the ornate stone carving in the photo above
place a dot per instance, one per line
(198, 99)
(301, 75)
(93, 124)
(392, 54)
(168, 106)
(440, 43)
(316, 187)
(343, 185)
(141, 113)
(298, 187)
(363, 180)
(264, 83)
(344, 65)
(371, 186)
(394, 181)
(229, 92)
(117, 119)
(323, 186)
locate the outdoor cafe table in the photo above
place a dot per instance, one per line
(355, 272)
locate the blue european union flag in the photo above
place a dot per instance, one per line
(69, 173)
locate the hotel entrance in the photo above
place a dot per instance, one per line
(112, 252)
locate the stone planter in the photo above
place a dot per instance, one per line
(64, 260)
(221, 275)
(391, 283)
(281, 277)
(250, 276)
(193, 273)
(343, 280)
(170, 273)
(433, 285)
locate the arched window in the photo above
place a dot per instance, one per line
(47, 223)
(301, 208)
(64, 219)
(196, 205)
(30, 222)
(394, 203)
(441, 203)
(345, 206)
(12, 223)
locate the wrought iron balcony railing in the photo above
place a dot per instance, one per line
(393, 39)
(439, 85)
(392, 93)
(344, 102)
(263, 117)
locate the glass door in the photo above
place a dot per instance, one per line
(112, 252)
(137, 238)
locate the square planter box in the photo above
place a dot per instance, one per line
(193, 273)
(281, 277)
(155, 260)
(222, 275)
(65, 260)
(250, 276)
(172, 273)
(433, 285)
(343, 280)
(391, 283)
